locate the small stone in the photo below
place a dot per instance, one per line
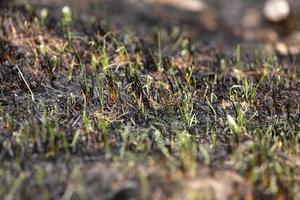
(276, 10)
(282, 48)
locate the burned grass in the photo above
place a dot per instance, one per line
(98, 115)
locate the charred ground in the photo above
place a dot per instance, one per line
(144, 101)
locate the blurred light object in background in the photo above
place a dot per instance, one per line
(276, 10)
(189, 5)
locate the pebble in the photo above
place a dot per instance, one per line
(276, 10)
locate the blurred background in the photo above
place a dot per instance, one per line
(215, 22)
